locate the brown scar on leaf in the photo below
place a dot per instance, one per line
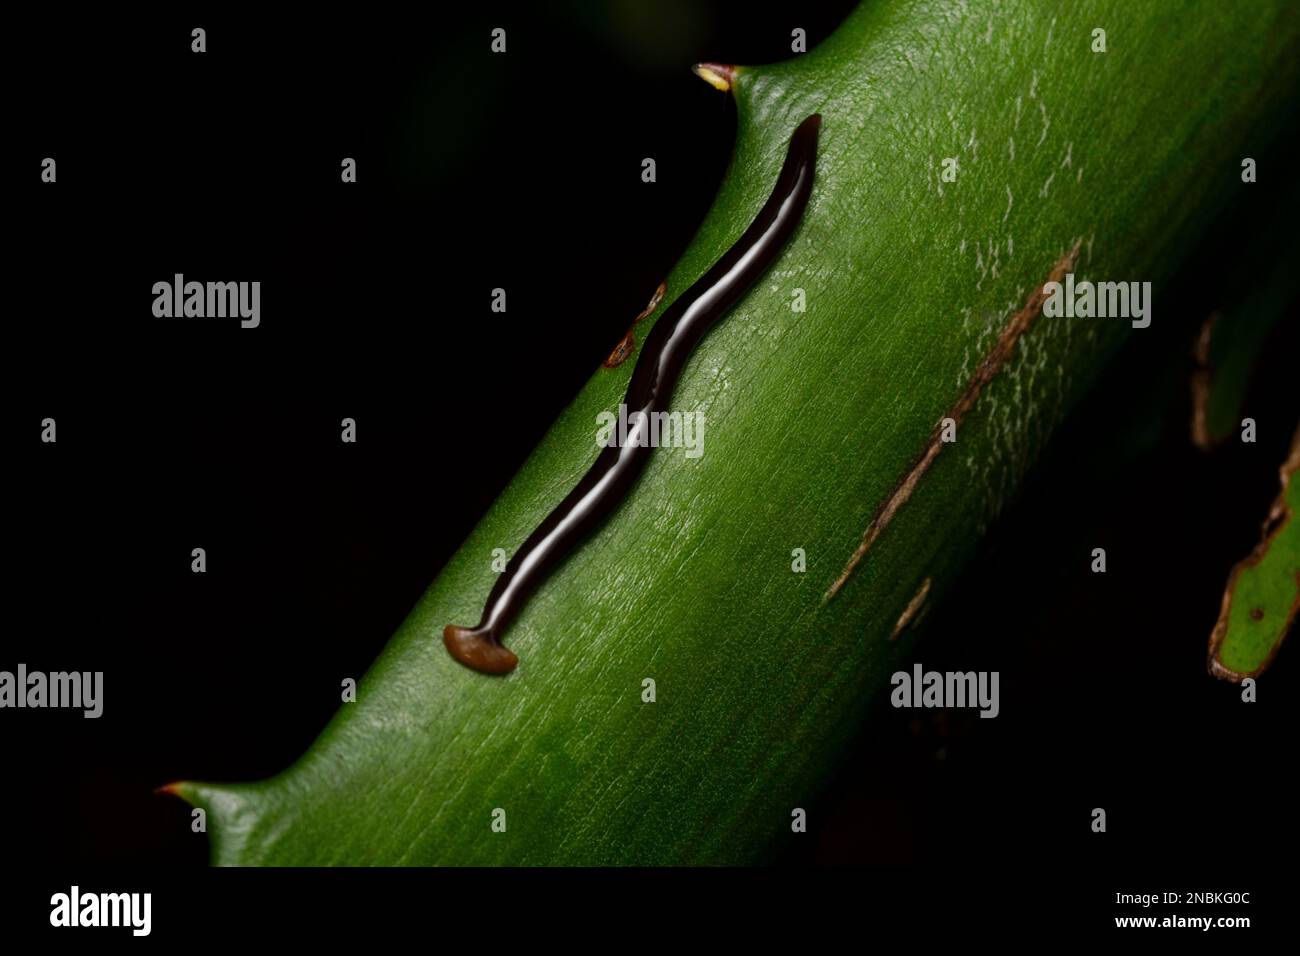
(1202, 378)
(628, 342)
(993, 363)
(909, 612)
(1278, 515)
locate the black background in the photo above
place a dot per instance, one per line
(523, 171)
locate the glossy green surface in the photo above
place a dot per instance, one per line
(812, 419)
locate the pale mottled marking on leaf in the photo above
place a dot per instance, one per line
(1047, 123)
(993, 363)
(1046, 186)
(1069, 155)
(909, 612)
